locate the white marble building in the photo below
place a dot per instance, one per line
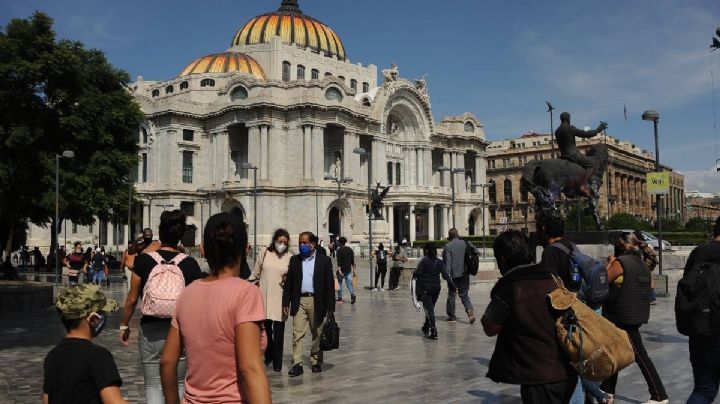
(285, 98)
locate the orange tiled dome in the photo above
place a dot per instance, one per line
(294, 27)
(223, 63)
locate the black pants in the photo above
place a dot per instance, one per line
(549, 393)
(394, 278)
(705, 361)
(275, 331)
(429, 298)
(381, 272)
(655, 385)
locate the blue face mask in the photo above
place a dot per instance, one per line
(305, 250)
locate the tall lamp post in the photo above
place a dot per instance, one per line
(67, 154)
(338, 181)
(249, 166)
(452, 171)
(552, 133)
(482, 206)
(654, 116)
(360, 151)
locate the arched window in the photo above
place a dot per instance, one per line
(286, 71)
(315, 74)
(366, 87)
(328, 74)
(156, 93)
(469, 127)
(207, 83)
(342, 78)
(184, 85)
(507, 190)
(238, 93)
(366, 101)
(301, 72)
(333, 94)
(353, 84)
(169, 90)
(492, 192)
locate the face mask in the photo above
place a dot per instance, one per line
(305, 250)
(96, 329)
(280, 247)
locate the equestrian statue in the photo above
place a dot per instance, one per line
(573, 174)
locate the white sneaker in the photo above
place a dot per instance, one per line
(656, 402)
(382, 290)
(374, 289)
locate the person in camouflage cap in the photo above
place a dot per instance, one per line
(79, 301)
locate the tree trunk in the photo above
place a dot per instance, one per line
(10, 236)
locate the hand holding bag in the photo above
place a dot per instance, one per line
(330, 338)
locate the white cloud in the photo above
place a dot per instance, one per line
(702, 180)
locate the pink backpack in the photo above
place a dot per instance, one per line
(163, 287)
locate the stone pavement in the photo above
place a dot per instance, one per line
(382, 358)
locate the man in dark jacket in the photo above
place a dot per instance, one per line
(308, 295)
(526, 352)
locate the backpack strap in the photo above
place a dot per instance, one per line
(562, 247)
(159, 259)
(156, 257)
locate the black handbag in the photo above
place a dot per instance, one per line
(330, 338)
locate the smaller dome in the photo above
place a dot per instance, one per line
(223, 63)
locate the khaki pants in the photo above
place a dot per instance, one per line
(305, 318)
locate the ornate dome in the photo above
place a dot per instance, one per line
(294, 27)
(223, 63)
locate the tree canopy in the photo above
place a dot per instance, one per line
(56, 95)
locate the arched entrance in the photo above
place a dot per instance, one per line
(334, 221)
(471, 225)
(232, 205)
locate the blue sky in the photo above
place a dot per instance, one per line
(497, 59)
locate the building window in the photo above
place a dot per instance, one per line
(315, 74)
(169, 90)
(188, 135)
(333, 94)
(74, 228)
(397, 174)
(523, 194)
(328, 74)
(238, 93)
(353, 84)
(144, 168)
(184, 85)
(187, 167)
(493, 215)
(389, 173)
(492, 192)
(188, 208)
(156, 93)
(144, 136)
(286, 71)
(508, 214)
(366, 101)
(207, 83)
(507, 190)
(342, 78)
(469, 127)
(366, 87)
(301, 72)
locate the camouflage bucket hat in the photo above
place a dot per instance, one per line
(79, 301)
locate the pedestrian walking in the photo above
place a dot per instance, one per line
(399, 258)
(156, 275)
(38, 260)
(76, 263)
(143, 243)
(628, 307)
(308, 296)
(271, 270)
(99, 266)
(381, 260)
(223, 348)
(76, 370)
(345, 269)
(454, 257)
(526, 351)
(427, 286)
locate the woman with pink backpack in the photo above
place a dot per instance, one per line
(159, 276)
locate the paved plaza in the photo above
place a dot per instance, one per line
(382, 358)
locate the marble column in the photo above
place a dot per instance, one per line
(411, 238)
(405, 168)
(390, 218)
(307, 152)
(460, 183)
(431, 222)
(318, 152)
(427, 161)
(145, 215)
(264, 152)
(446, 174)
(443, 221)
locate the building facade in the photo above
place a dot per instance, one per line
(703, 205)
(623, 190)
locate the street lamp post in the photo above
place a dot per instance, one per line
(360, 151)
(338, 181)
(654, 116)
(67, 154)
(249, 166)
(452, 171)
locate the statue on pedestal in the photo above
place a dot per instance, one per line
(376, 205)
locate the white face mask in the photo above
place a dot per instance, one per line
(280, 247)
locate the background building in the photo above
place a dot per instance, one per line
(623, 189)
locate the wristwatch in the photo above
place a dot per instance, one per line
(124, 328)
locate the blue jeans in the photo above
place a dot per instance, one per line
(151, 340)
(705, 361)
(348, 282)
(99, 276)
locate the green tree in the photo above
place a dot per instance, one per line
(56, 95)
(699, 224)
(622, 221)
(587, 222)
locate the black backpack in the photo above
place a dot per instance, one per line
(381, 257)
(593, 276)
(697, 303)
(472, 260)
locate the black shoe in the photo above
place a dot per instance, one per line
(453, 318)
(425, 330)
(433, 334)
(339, 299)
(352, 299)
(268, 362)
(277, 369)
(316, 368)
(296, 370)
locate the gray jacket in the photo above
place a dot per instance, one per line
(454, 257)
